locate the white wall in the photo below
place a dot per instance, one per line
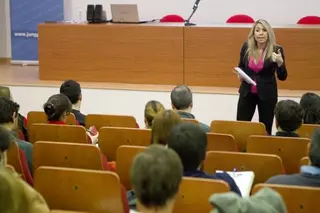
(5, 49)
(211, 11)
(207, 107)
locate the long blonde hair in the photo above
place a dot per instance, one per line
(252, 43)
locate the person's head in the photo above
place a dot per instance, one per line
(314, 152)
(72, 90)
(156, 174)
(5, 92)
(261, 34)
(151, 109)
(9, 113)
(310, 104)
(289, 116)
(163, 122)
(4, 146)
(190, 142)
(57, 108)
(16, 196)
(181, 98)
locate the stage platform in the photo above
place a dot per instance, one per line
(28, 76)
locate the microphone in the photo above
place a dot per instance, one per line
(196, 4)
(195, 7)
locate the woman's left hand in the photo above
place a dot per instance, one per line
(277, 58)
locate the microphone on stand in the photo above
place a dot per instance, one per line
(195, 7)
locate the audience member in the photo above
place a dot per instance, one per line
(156, 174)
(152, 108)
(4, 146)
(310, 104)
(72, 90)
(182, 102)
(57, 109)
(190, 142)
(289, 118)
(8, 120)
(163, 122)
(264, 201)
(16, 196)
(22, 121)
(309, 175)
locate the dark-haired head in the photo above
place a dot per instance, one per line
(72, 90)
(156, 174)
(9, 112)
(310, 104)
(152, 108)
(57, 108)
(181, 98)
(190, 142)
(289, 115)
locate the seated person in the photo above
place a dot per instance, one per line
(289, 118)
(4, 146)
(156, 175)
(190, 142)
(182, 103)
(9, 120)
(72, 90)
(310, 104)
(163, 122)
(150, 111)
(309, 175)
(58, 108)
(16, 196)
(22, 121)
(264, 201)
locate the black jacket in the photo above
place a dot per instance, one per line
(265, 79)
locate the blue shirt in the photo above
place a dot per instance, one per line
(218, 176)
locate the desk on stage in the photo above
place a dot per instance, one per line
(168, 54)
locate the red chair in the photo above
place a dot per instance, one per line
(172, 18)
(240, 18)
(309, 20)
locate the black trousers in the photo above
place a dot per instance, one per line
(247, 106)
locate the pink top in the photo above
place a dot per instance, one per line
(256, 67)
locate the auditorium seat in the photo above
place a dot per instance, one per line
(187, 120)
(100, 121)
(172, 18)
(290, 150)
(240, 130)
(111, 138)
(309, 20)
(306, 130)
(125, 156)
(240, 18)
(264, 166)
(71, 155)
(81, 190)
(221, 142)
(298, 199)
(58, 133)
(194, 194)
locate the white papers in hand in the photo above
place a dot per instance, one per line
(244, 76)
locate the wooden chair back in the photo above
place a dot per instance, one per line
(125, 156)
(306, 130)
(58, 133)
(79, 189)
(111, 138)
(221, 142)
(240, 130)
(194, 194)
(13, 159)
(34, 117)
(70, 155)
(100, 121)
(187, 120)
(298, 199)
(263, 166)
(305, 161)
(290, 150)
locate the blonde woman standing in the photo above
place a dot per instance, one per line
(260, 58)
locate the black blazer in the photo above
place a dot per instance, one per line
(266, 80)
